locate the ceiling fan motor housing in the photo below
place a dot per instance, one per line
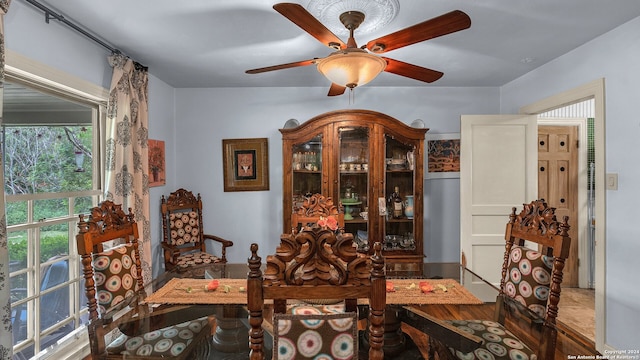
(352, 19)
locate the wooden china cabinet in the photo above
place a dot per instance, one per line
(358, 158)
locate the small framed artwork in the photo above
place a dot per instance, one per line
(443, 160)
(157, 170)
(245, 164)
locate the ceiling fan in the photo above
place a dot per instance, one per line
(350, 66)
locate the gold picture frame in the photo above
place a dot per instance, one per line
(245, 164)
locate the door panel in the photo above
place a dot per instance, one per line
(558, 184)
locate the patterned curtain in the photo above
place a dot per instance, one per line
(6, 341)
(127, 166)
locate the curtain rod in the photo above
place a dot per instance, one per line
(50, 14)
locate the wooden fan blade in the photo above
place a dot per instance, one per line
(336, 90)
(307, 22)
(411, 71)
(438, 26)
(282, 66)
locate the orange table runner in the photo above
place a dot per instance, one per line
(407, 292)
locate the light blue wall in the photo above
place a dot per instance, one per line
(206, 116)
(161, 127)
(614, 57)
(55, 45)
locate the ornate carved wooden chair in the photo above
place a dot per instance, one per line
(114, 288)
(527, 304)
(183, 237)
(313, 209)
(314, 266)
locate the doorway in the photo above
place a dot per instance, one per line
(584, 219)
(558, 170)
(595, 91)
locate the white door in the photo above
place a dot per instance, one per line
(498, 170)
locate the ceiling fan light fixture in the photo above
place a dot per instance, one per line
(351, 67)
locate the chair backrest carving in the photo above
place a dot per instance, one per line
(106, 217)
(181, 198)
(316, 257)
(314, 208)
(317, 264)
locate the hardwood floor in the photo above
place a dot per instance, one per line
(577, 311)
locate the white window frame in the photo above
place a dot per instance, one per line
(19, 69)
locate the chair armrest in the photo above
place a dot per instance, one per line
(440, 330)
(225, 243)
(170, 248)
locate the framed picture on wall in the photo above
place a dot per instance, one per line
(157, 170)
(245, 164)
(443, 156)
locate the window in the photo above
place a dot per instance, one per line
(50, 141)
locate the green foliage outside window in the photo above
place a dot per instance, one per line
(41, 159)
(54, 243)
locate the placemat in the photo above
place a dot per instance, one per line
(193, 291)
(407, 292)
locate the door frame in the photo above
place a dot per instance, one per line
(595, 90)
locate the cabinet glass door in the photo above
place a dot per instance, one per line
(353, 164)
(399, 193)
(306, 170)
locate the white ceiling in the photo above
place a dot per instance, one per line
(210, 43)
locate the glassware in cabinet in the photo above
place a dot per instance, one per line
(399, 169)
(353, 169)
(306, 170)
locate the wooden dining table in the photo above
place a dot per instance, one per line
(467, 296)
(178, 296)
